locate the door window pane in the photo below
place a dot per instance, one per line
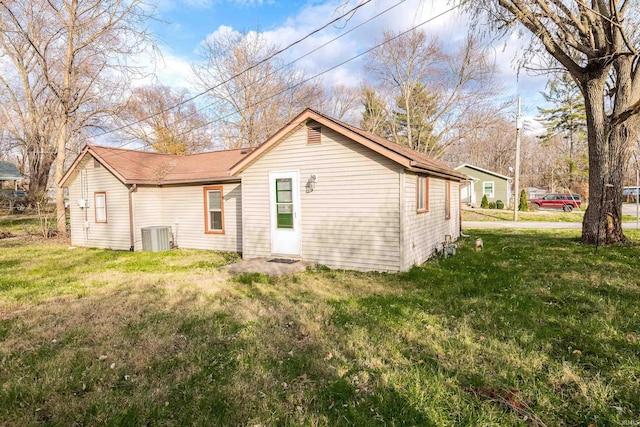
(285, 216)
(283, 190)
(284, 202)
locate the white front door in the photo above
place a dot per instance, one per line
(284, 188)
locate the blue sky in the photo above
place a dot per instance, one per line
(184, 24)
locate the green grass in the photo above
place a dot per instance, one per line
(537, 216)
(18, 225)
(536, 328)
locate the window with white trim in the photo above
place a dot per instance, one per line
(422, 194)
(447, 199)
(100, 204)
(213, 210)
(488, 188)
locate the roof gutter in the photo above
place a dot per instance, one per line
(133, 188)
(183, 181)
(441, 172)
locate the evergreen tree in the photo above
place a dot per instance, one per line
(523, 206)
(484, 204)
(413, 119)
(566, 120)
(374, 117)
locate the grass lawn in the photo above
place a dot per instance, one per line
(18, 225)
(558, 215)
(536, 329)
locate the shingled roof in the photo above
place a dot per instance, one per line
(144, 167)
(9, 172)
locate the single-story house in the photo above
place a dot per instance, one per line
(9, 172)
(484, 182)
(319, 189)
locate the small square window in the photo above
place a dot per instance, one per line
(487, 189)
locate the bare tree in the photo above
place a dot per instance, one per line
(340, 102)
(67, 70)
(162, 119)
(597, 42)
(434, 92)
(490, 145)
(252, 94)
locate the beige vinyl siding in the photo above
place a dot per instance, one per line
(423, 231)
(114, 233)
(182, 209)
(147, 211)
(350, 220)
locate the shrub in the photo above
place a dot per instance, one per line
(492, 205)
(499, 204)
(523, 205)
(485, 202)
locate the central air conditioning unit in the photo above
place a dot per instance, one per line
(156, 239)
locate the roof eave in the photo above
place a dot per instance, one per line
(225, 179)
(429, 169)
(78, 159)
(479, 169)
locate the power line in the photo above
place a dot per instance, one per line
(274, 71)
(352, 10)
(325, 71)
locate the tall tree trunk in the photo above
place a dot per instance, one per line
(61, 214)
(63, 131)
(609, 154)
(39, 161)
(594, 225)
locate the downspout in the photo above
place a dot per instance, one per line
(133, 188)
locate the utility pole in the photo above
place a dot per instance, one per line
(516, 179)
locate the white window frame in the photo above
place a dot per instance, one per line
(100, 208)
(493, 188)
(447, 199)
(208, 226)
(424, 192)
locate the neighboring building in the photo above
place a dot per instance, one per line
(9, 172)
(319, 190)
(484, 182)
(535, 193)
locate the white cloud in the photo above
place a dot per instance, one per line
(222, 31)
(451, 28)
(402, 17)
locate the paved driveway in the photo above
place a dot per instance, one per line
(629, 209)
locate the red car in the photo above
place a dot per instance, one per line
(565, 202)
